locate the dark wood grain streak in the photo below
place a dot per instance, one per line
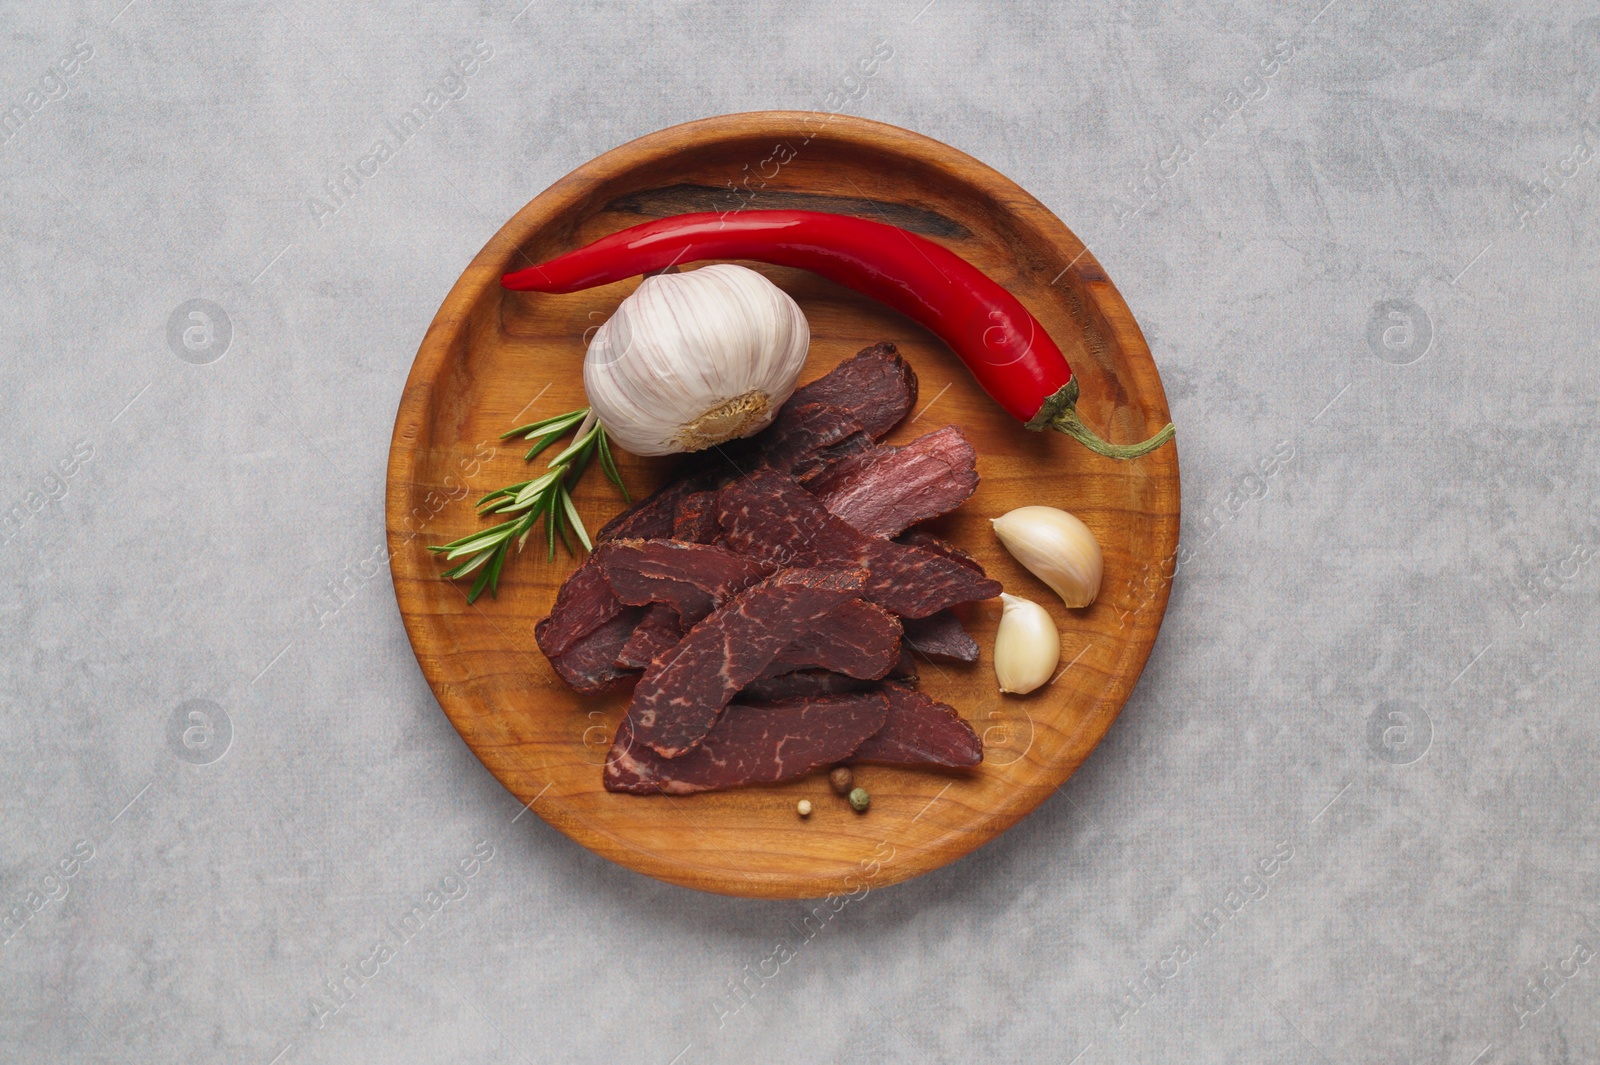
(689, 199)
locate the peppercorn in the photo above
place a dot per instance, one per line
(803, 807)
(841, 780)
(860, 800)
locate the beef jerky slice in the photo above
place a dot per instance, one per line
(590, 664)
(803, 441)
(653, 515)
(940, 637)
(584, 603)
(886, 490)
(856, 638)
(877, 386)
(929, 542)
(751, 744)
(919, 731)
(808, 437)
(769, 517)
(871, 392)
(824, 460)
(657, 632)
(864, 396)
(906, 668)
(799, 432)
(802, 683)
(693, 579)
(685, 582)
(681, 695)
(696, 519)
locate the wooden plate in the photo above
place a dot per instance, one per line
(492, 360)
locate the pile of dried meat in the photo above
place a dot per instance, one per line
(771, 603)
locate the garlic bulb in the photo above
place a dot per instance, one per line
(1055, 547)
(1027, 647)
(692, 359)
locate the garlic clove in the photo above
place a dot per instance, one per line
(692, 359)
(1027, 647)
(1055, 547)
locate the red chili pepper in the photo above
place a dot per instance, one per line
(1004, 346)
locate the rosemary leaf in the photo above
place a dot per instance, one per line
(516, 506)
(509, 490)
(494, 570)
(536, 487)
(552, 518)
(576, 522)
(471, 564)
(608, 466)
(468, 544)
(544, 442)
(581, 444)
(547, 497)
(483, 579)
(568, 420)
(562, 520)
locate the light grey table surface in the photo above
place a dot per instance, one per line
(1348, 815)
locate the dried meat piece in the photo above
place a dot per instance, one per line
(803, 441)
(681, 695)
(696, 518)
(864, 396)
(693, 579)
(826, 422)
(586, 630)
(685, 582)
(802, 683)
(800, 432)
(857, 638)
(886, 490)
(820, 464)
(807, 437)
(769, 517)
(871, 391)
(584, 603)
(940, 637)
(919, 731)
(751, 744)
(929, 542)
(653, 515)
(658, 631)
(589, 664)
(876, 385)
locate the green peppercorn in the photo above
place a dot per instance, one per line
(860, 800)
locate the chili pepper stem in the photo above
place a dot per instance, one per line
(1060, 412)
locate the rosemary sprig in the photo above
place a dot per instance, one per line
(546, 496)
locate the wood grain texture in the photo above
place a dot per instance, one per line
(489, 353)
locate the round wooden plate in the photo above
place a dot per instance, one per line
(493, 360)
